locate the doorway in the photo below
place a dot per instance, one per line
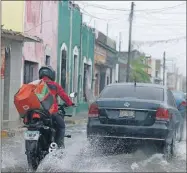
(75, 74)
(96, 84)
(102, 81)
(87, 82)
(6, 84)
(63, 70)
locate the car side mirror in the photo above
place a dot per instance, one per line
(183, 103)
(73, 95)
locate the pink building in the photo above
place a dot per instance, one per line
(41, 20)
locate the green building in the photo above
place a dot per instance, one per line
(75, 53)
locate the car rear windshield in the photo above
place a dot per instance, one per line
(139, 92)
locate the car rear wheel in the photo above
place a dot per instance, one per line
(169, 149)
(181, 132)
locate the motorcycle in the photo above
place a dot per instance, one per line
(40, 134)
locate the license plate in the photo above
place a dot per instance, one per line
(31, 135)
(127, 114)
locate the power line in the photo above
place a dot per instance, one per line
(139, 24)
(167, 8)
(150, 43)
(117, 19)
(167, 24)
(140, 10)
(90, 15)
(149, 16)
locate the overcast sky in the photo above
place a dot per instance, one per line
(153, 21)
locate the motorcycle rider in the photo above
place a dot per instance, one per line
(47, 74)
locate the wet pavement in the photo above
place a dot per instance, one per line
(79, 157)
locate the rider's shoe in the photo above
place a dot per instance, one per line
(61, 146)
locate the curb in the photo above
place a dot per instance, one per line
(79, 122)
(8, 133)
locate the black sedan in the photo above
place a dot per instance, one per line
(136, 112)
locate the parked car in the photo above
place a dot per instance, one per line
(180, 99)
(136, 112)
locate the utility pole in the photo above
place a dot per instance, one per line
(117, 65)
(130, 44)
(94, 24)
(119, 41)
(164, 67)
(107, 30)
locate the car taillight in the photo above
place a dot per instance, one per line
(162, 114)
(93, 110)
(183, 103)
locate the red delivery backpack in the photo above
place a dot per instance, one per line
(35, 95)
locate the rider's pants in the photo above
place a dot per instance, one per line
(60, 129)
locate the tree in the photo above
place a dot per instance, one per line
(137, 70)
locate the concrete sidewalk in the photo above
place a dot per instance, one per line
(80, 118)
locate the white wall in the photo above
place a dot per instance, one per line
(15, 77)
(15, 81)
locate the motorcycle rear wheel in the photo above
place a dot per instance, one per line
(32, 152)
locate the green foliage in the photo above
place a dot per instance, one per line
(137, 70)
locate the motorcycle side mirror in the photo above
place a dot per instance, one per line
(73, 95)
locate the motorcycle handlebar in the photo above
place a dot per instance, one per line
(65, 106)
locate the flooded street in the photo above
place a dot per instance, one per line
(78, 157)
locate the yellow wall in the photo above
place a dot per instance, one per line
(12, 15)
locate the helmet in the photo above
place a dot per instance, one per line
(48, 72)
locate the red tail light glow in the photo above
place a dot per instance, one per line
(35, 115)
(183, 103)
(162, 114)
(93, 110)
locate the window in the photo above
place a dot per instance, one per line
(30, 71)
(107, 80)
(139, 92)
(85, 81)
(96, 84)
(63, 70)
(47, 60)
(110, 75)
(75, 74)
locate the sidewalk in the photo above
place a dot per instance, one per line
(80, 118)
